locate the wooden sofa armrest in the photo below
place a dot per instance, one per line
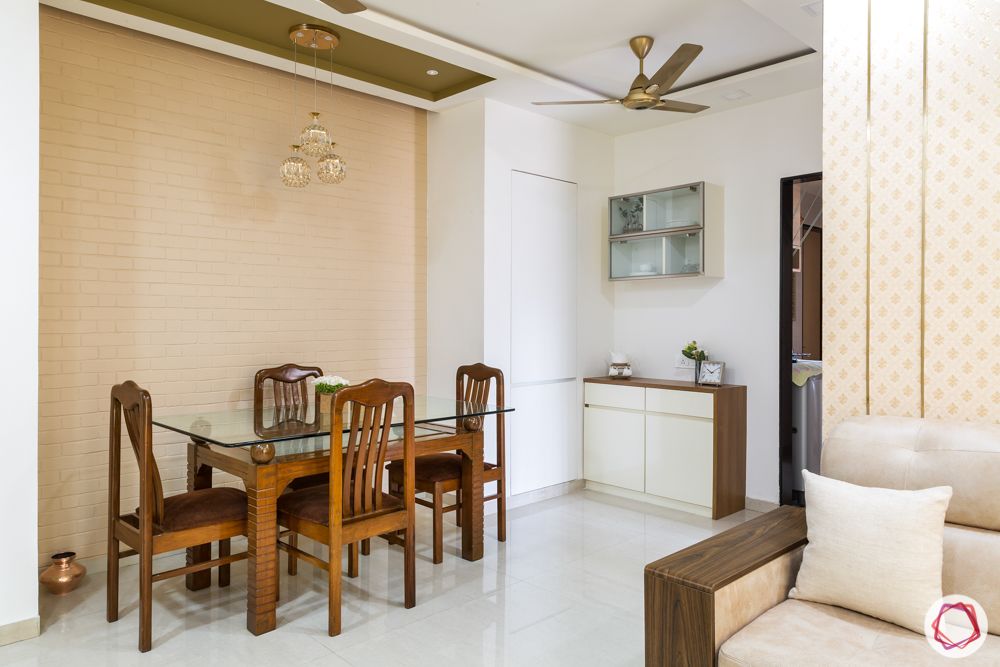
(682, 589)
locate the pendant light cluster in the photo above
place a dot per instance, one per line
(315, 140)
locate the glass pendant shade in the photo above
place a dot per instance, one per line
(315, 140)
(331, 168)
(295, 170)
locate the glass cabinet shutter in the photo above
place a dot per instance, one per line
(657, 234)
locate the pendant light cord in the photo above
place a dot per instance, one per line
(314, 74)
(295, 73)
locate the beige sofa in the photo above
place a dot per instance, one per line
(724, 600)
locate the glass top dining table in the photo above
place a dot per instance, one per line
(269, 447)
(245, 427)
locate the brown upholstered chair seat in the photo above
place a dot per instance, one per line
(313, 504)
(202, 508)
(435, 468)
(310, 480)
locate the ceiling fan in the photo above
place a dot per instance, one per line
(345, 6)
(644, 93)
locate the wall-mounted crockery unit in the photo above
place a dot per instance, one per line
(667, 442)
(667, 233)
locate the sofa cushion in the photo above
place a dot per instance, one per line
(807, 633)
(876, 551)
(972, 568)
(910, 453)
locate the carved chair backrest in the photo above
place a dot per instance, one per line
(474, 383)
(132, 404)
(289, 391)
(370, 408)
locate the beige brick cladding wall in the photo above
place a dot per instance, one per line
(172, 255)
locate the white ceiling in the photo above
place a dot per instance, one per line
(578, 49)
(585, 42)
(568, 49)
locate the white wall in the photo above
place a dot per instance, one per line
(455, 163)
(524, 141)
(19, 304)
(746, 151)
(464, 193)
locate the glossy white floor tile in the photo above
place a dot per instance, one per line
(565, 589)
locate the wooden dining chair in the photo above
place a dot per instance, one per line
(438, 474)
(352, 506)
(289, 390)
(161, 524)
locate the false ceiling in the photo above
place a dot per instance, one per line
(585, 42)
(263, 26)
(512, 51)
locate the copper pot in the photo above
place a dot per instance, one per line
(64, 574)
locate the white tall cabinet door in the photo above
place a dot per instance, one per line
(612, 447)
(543, 436)
(679, 453)
(543, 279)
(544, 444)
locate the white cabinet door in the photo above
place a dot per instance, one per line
(671, 401)
(614, 396)
(543, 324)
(612, 447)
(679, 458)
(543, 436)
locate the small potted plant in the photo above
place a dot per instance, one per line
(326, 386)
(691, 351)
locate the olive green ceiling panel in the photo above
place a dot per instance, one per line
(263, 26)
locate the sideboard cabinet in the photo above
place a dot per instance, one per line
(668, 442)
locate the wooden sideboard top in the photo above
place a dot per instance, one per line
(656, 383)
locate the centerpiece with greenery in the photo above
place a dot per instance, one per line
(691, 351)
(326, 386)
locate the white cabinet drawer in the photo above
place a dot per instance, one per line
(614, 396)
(679, 458)
(671, 401)
(613, 447)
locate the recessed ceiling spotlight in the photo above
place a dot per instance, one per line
(432, 72)
(736, 94)
(814, 9)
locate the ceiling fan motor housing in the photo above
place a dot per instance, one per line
(637, 97)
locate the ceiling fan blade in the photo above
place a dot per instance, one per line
(683, 107)
(673, 68)
(544, 104)
(345, 6)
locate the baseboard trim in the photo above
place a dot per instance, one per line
(650, 499)
(20, 630)
(762, 506)
(544, 493)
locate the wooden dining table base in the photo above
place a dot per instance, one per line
(266, 481)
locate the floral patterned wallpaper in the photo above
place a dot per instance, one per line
(911, 161)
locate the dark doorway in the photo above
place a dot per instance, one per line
(800, 339)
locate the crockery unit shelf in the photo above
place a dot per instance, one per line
(666, 233)
(667, 442)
